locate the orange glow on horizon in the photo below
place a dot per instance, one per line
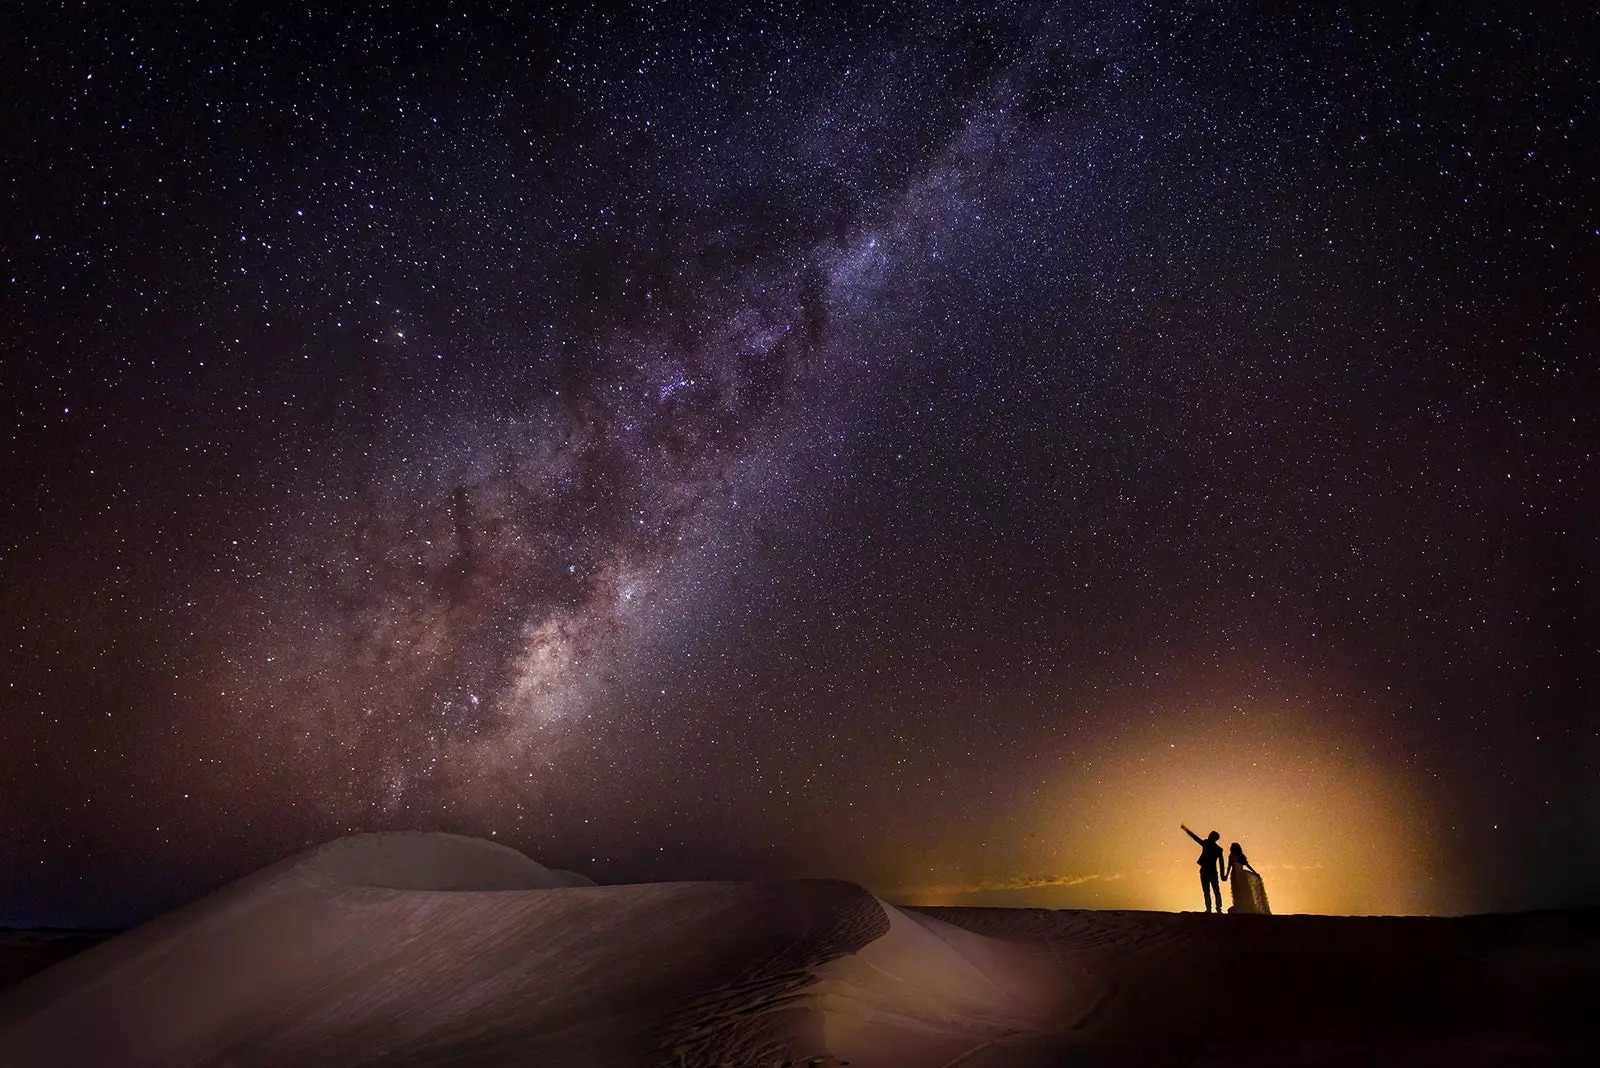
(1329, 830)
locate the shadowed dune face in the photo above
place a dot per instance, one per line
(437, 950)
(1269, 990)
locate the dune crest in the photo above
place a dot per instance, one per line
(414, 860)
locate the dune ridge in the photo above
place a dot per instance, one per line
(413, 860)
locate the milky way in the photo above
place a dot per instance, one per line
(783, 442)
(464, 605)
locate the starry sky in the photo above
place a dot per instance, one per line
(941, 447)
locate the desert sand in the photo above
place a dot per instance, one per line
(431, 949)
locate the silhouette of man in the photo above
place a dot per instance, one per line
(1210, 859)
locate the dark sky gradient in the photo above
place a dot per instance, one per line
(764, 441)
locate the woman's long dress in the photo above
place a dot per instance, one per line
(1249, 894)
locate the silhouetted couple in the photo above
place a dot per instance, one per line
(1249, 894)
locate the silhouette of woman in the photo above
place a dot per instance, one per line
(1249, 893)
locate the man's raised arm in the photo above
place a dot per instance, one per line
(1191, 834)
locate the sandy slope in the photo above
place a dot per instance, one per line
(439, 950)
(433, 949)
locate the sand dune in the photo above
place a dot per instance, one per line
(433, 949)
(440, 950)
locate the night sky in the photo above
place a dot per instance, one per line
(939, 448)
